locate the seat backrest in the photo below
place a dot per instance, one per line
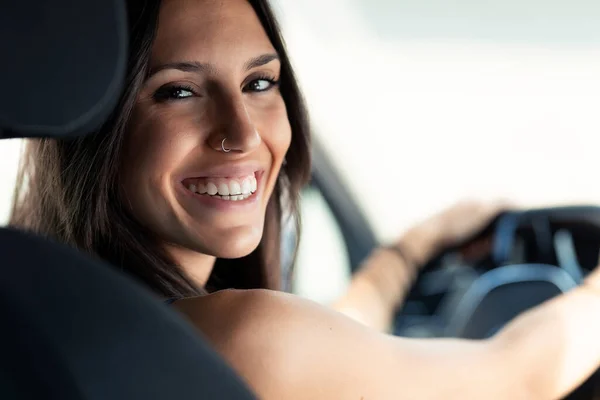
(73, 328)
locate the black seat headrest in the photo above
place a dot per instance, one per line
(63, 65)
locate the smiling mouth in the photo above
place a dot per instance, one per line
(230, 189)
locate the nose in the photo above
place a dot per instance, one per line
(236, 132)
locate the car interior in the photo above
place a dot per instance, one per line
(75, 328)
(535, 254)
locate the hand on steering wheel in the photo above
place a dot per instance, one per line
(380, 287)
(449, 228)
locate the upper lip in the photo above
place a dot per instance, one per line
(225, 171)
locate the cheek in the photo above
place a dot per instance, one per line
(277, 137)
(285, 138)
(153, 149)
(277, 133)
(157, 140)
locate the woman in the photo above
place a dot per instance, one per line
(185, 188)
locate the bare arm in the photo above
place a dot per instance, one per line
(380, 286)
(557, 343)
(290, 348)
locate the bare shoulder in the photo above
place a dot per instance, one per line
(276, 341)
(290, 348)
(250, 316)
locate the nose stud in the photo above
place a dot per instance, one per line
(223, 146)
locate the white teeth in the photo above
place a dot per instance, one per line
(211, 189)
(234, 188)
(246, 187)
(223, 189)
(226, 189)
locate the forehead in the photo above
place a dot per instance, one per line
(210, 31)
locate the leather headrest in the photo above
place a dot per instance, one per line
(62, 65)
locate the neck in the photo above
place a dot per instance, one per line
(196, 265)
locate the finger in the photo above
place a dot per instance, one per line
(504, 205)
(477, 249)
(488, 207)
(492, 209)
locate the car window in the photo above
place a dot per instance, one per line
(322, 269)
(422, 103)
(10, 151)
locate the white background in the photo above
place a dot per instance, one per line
(425, 102)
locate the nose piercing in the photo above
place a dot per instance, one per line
(223, 146)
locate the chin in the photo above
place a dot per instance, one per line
(236, 244)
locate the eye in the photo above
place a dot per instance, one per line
(261, 85)
(176, 92)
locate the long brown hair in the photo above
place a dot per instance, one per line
(68, 189)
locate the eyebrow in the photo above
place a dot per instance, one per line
(260, 61)
(194, 66)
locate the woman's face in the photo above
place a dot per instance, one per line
(213, 76)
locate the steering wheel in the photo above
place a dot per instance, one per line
(535, 255)
(500, 294)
